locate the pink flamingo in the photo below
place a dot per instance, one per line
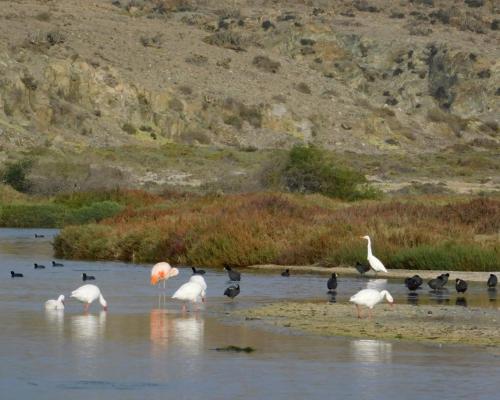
(161, 272)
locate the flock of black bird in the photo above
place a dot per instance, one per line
(55, 264)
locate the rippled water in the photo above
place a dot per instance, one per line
(143, 346)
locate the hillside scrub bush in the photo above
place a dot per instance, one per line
(15, 175)
(310, 170)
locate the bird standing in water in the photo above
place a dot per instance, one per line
(332, 282)
(374, 262)
(460, 285)
(232, 291)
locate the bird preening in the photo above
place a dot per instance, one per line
(87, 294)
(162, 271)
(55, 304)
(193, 291)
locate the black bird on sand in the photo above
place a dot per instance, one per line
(286, 272)
(38, 266)
(56, 264)
(492, 281)
(361, 268)
(198, 271)
(232, 291)
(233, 275)
(412, 283)
(14, 275)
(332, 282)
(437, 283)
(86, 277)
(460, 285)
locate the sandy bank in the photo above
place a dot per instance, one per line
(392, 273)
(436, 324)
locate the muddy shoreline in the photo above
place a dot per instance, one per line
(426, 323)
(473, 276)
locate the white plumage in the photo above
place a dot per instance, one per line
(374, 262)
(194, 290)
(369, 298)
(55, 304)
(88, 294)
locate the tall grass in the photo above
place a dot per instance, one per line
(295, 229)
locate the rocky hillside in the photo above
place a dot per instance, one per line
(205, 93)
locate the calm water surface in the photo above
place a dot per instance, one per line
(144, 347)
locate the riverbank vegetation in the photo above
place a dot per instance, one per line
(275, 228)
(23, 211)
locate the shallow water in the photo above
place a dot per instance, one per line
(143, 346)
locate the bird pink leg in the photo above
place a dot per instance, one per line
(86, 307)
(183, 308)
(359, 310)
(369, 313)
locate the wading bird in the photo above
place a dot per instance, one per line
(374, 262)
(369, 298)
(193, 291)
(55, 304)
(87, 294)
(162, 272)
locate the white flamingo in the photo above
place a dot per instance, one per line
(55, 304)
(369, 298)
(374, 262)
(194, 291)
(88, 294)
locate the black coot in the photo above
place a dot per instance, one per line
(198, 271)
(332, 282)
(232, 291)
(86, 277)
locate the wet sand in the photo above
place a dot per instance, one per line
(427, 323)
(473, 276)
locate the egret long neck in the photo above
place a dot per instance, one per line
(369, 248)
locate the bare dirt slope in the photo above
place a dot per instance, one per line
(389, 80)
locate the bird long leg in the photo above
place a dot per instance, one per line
(183, 308)
(164, 284)
(369, 313)
(86, 307)
(358, 309)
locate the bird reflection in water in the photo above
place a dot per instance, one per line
(55, 321)
(185, 331)
(332, 296)
(441, 296)
(371, 351)
(377, 284)
(461, 301)
(492, 294)
(87, 331)
(412, 298)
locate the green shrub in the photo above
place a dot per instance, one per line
(15, 175)
(310, 170)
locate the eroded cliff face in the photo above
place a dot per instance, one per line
(363, 77)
